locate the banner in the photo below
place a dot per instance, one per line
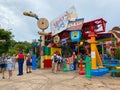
(59, 24)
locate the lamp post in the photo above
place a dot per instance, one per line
(43, 25)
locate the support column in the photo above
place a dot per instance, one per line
(102, 51)
(95, 57)
(93, 52)
(42, 56)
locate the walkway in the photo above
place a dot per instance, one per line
(46, 80)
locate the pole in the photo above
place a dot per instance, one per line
(88, 67)
(78, 49)
(65, 67)
(42, 45)
(102, 51)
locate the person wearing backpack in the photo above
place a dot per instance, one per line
(3, 62)
(54, 63)
(59, 62)
(74, 57)
(28, 63)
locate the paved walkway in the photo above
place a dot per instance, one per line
(46, 80)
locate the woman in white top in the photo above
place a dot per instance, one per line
(9, 66)
(14, 61)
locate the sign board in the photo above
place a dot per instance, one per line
(75, 25)
(93, 54)
(59, 24)
(75, 36)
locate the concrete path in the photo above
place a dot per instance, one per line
(46, 80)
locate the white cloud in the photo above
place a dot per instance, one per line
(25, 28)
(20, 27)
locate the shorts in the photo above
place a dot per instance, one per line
(2, 65)
(28, 63)
(59, 62)
(10, 66)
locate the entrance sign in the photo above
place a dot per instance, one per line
(59, 24)
(75, 25)
(93, 54)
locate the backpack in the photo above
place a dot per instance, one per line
(55, 59)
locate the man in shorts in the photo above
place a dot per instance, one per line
(54, 63)
(3, 64)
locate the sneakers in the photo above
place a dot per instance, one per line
(29, 72)
(19, 74)
(9, 78)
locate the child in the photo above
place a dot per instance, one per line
(74, 57)
(9, 66)
(68, 62)
(79, 57)
(28, 64)
(14, 61)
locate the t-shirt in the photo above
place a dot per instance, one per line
(54, 58)
(59, 59)
(9, 60)
(3, 60)
(20, 55)
(67, 60)
(74, 57)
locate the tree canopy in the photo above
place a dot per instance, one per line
(11, 46)
(5, 35)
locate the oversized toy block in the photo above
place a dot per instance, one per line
(47, 57)
(46, 51)
(47, 63)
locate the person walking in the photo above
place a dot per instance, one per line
(68, 62)
(54, 63)
(3, 62)
(59, 62)
(20, 57)
(14, 61)
(9, 66)
(74, 57)
(28, 63)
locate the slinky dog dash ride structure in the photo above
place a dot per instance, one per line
(90, 31)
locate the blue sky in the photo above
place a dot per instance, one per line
(25, 28)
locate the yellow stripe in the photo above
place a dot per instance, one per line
(46, 57)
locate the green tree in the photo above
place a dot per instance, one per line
(24, 46)
(5, 35)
